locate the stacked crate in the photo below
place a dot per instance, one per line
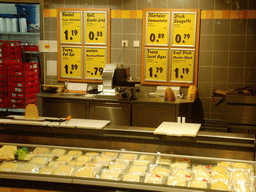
(19, 81)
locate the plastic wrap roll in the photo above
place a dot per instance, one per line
(23, 25)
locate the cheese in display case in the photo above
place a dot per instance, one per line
(129, 168)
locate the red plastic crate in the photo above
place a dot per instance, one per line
(21, 84)
(3, 99)
(31, 65)
(22, 89)
(16, 106)
(17, 95)
(21, 73)
(11, 55)
(3, 89)
(33, 48)
(22, 79)
(3, 83)
(3, 105)
(22, 101)
(10, 48)
(3, 94)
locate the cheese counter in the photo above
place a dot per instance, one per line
(142, 112)
(161, 152)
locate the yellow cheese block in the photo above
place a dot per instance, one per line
(31, 112)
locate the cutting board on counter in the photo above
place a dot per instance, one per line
(82, 123)
(22, 122)
(178, 129)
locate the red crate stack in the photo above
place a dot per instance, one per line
(19, 81)
(23, 85)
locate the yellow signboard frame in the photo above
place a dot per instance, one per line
(169, 46)
(184, 73)
(98, 68)
(183, 30)
(70, 32)
(69, 67)
(154, 26)
(152, 70)
(96, 32)
(105, 45)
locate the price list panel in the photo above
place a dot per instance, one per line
(95, 27)
(157, 28)
(71, 58)
(170, 45)
(156, 61)
(183, 29)
(71, 27)
(95, 59)
(83, 43)
(182, 68)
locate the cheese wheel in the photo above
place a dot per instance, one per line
(31, 112)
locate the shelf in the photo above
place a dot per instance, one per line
(18, 33)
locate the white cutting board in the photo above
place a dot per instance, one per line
(22, 122)
(178, 129)
(82, 123)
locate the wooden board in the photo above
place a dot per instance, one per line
(178, 129)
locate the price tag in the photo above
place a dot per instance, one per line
(95, 60)
(96, 27)
(70, 31)
(156, 61)
(182, 65)
(184, 29)
(70, 62)
(157, 28)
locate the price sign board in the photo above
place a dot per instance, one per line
(157, 28)
(96, 27)
(184, 29)
(70, 27)
(156, 64)
(71, 62)
(182, 65)
(95, 60)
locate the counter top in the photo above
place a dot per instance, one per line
(141, 99)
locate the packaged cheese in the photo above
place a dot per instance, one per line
(9, 166)
(160, 171)
(128, 156)
(39, 160)
(218, 185)
(65, 158)
(111, 155)
(117, 166)
(58, 152)
(131, 177)
(202, 176)
(163, 160)
(243, 187)
(220, 176)
(13, 148)
(46, 170)
(197, 184)
(29, 156)
(149, 158)
(103, 160)
(28, 168)
(218, 169)
(152, 178)
(74, 153)
(225, 164)
(6, 155)
(110, 174)
(137, 169)
(84, 158)
(63, 170)
(87, 172)
(93, 154)
(31, 112)
(39, 150)
(182, 172)
(179, 165)
(75, 163)
(242, 166)
(96, 167)
(141, 162)
(240, 176)
(56, 163)
(177, 181)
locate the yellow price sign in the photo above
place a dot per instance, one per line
(184, 29)
(182, 65)
(70, 23)
(71, 60)
(157, 28)
(156, 61)
(95, 27)
(95, 60)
